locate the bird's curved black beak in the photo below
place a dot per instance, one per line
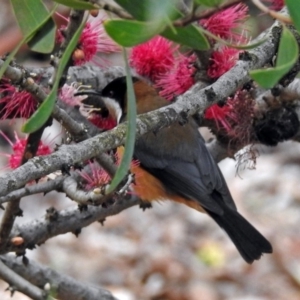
(97, 101)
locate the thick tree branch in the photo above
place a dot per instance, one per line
(18, 283)
(94, 76)
(59, 222)
(63, 286)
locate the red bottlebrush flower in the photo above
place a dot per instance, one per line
(179, 79)
(219, 114)
(153, 58)
(97, 176)
(102, 123)
(18, 147)
(276, 4)
(15, 103)
(224, 22)
(235, 116)
(222, 61)
(93, 40)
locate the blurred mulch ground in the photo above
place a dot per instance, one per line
(174, 253)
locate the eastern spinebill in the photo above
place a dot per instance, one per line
(176, 165)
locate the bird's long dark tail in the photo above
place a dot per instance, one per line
(250, 243)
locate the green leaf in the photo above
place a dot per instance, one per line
(25, 39)
(150, 10)
(129, 33)
(294, 11)
(287, 56)
(40, 117)
(44, 111)
(209, 3)
(130, 133)
(76, 4)
(190, 36)
(44, 39)
(35, 21)
(152, 18)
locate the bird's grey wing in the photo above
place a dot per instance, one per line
(196, 176)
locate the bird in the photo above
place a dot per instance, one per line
(176, 165)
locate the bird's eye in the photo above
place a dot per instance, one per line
(111, 93)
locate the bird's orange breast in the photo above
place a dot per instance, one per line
(148, 188)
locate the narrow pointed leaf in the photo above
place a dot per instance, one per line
(129, 33)
(33, 17)
(39, 118)
(44, 38)
(287, 56)
(150, 10)
(209, 3)
(25, 39)
(294, 11)
(76, 4)
(190, 36)
(130, 133)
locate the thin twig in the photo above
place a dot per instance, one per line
(195, 16)
(274, 14)
(70, 187)
(113, 9)
(44, 187)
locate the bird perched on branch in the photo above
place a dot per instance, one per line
(176, 165)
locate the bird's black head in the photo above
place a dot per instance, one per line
(111, 101)
(116, 90)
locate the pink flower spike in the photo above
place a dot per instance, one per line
(153, 58)
(96, 177)
(15, 103)
(93, 40)
(18, 147)
(179, 79)
(222, 61)
(67, 92)
(224, 22)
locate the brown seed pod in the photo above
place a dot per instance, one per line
(17, 240)
(94, 12)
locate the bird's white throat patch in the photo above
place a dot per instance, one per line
(113, 107)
